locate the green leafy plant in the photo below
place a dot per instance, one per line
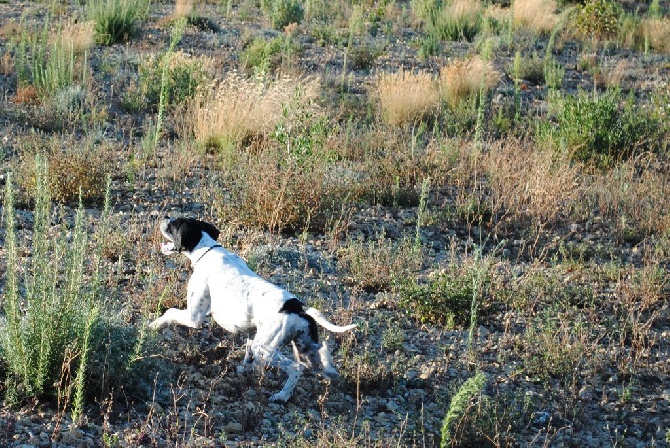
(598, 19)
(444, 299)
(597, 128)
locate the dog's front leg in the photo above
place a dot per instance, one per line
(197, 308)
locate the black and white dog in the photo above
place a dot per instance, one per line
(224, 287)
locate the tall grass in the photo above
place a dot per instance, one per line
(115, 20)
(49, 62)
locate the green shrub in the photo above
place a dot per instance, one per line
(597, 128)
(115, 20)
(283, 12)
(598, 19)
(264, 56)
(51, 304)
(444, 299)
(183, 76)
(457, 20)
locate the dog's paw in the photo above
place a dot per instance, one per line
(156, 325)
(280, 397)
(167, 248)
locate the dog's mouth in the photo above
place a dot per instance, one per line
(168, 247)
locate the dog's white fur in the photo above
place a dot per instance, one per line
(224, 287)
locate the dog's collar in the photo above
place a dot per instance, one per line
(207, 251)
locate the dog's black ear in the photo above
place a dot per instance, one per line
(208, 228)
(185, 233)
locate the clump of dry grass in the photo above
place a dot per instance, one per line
(182, 8)
(237, 109)
(538, 15)
(77, 35)
(658, 33)
(406, 97)
(462, 78)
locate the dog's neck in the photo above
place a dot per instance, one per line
(204, 245)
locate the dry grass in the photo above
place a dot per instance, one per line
(538, 15)
(527, 184)
(633, 196)
(237, 109)
(658, 33)
(463, 78)
(182, 8)
(77, 35)
(462, 10)
(406, 97)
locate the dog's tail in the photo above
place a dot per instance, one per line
(325, 323)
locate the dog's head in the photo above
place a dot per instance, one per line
(184, 234)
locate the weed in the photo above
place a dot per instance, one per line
(445, 298)
(538, 15)
(236, 109)
(283, 12)
(380, 263)
(264, 56)
(49, 63)
(457, 20)
(657, 34)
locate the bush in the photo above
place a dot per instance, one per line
(72, 174)
(115, 20)
(183, 76)
(379, 264)
(596, 128)
(445, 299)
(283, 12)
(236, 109)
(598, 19)
(51, 307)
(464, 79)
(49, 63)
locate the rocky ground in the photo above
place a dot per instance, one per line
(398, 374)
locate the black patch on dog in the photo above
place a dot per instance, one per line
(295, 306)
(186, 232)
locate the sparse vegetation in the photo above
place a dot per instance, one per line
(480, 186)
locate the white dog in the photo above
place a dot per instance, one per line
(222, 286)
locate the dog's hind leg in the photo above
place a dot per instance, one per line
(248, 357)
(266, 348)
